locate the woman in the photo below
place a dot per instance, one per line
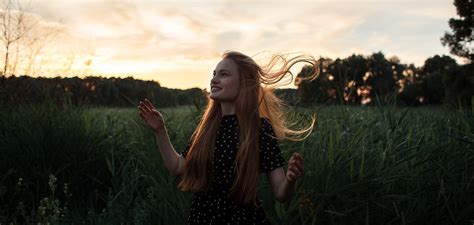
(235, 141)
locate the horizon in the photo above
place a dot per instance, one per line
(178, 44)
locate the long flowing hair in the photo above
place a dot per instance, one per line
(256, 99)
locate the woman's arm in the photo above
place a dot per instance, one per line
(173, 161)
(154, 120)
(283, 186)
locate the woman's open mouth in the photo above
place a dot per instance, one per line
(214, 89)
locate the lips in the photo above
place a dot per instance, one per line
(215, 88)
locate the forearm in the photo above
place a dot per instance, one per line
(285, 190)
(168, 153)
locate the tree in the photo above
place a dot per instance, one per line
(460, 86)
(381, 78)
(35, 42)
(320, 90)
(13, 27)
(434, 74)
(460, 41)
(356, 66)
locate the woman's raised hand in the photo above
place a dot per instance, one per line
(151, 116)
(295, 167)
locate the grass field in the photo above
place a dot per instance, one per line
(364, 165)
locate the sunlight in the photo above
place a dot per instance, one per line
(121, 68)
(135, 67)
(366, 101)
(367, 75)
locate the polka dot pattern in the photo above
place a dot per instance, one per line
(213, 206)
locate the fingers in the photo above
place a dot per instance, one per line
(295, 167)
(144, 108)
(141, 109)
(149, 104)
(297, 171)
(297, 160)
(297, 156)
(291, 176)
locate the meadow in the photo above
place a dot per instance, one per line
(363, 165)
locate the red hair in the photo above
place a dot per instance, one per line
(253, 102)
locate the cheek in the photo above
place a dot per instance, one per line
(231, 86)
(235, 88)
(235, 91)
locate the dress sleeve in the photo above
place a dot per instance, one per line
(270, 153)
(188, 146)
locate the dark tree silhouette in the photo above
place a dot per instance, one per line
(460, 41)
(436, 71)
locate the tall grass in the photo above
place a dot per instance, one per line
(364, 165)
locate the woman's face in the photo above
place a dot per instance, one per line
(225, 83)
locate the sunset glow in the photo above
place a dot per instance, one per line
(179, 43)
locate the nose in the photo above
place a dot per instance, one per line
(214, 80)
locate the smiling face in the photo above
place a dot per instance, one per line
(225, 83)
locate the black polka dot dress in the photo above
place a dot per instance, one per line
(213, 206)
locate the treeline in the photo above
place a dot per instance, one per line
(376, 80)
(353, 80)
(97, 91)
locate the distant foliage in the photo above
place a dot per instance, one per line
(99, 91)
(376, 80)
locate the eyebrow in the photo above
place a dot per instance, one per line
(222, 71)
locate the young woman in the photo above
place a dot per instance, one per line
(235, 141)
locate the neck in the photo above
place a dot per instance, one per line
(227, 108)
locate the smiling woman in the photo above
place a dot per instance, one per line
(225, 83)
(235, 141)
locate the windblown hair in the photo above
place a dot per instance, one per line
(256, 99)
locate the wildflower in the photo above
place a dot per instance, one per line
(52, 182)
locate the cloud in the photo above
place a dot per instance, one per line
(159, 36)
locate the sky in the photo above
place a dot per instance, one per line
(179, 43)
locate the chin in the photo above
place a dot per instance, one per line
(214, 97)
(219, 98)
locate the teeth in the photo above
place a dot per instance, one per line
(215, 88)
